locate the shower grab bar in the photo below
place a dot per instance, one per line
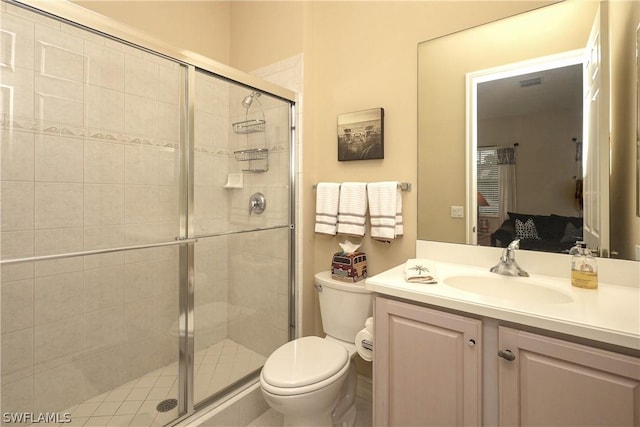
(95, 252)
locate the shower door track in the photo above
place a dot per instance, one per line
(95, 252)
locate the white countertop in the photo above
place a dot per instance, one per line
(609, 314)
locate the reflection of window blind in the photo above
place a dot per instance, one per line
(487, 180)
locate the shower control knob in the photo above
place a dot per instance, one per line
(257, 203)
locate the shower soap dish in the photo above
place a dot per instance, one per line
(234, 180)
(249, 126)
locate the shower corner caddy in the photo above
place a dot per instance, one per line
(252, 154)
(249, 126)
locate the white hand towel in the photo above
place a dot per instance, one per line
(352, 208)
(327, 197)
(385, 210)
(418, 270)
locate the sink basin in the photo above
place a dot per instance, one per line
(507, 288)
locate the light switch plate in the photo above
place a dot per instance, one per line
(457, 211)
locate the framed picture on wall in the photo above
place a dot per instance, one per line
(361, 135)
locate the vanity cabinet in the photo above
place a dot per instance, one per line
(555, 382)
(427, 367)
(430, 369)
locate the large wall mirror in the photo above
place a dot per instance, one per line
(525, 131)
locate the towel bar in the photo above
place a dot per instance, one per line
(403, 186)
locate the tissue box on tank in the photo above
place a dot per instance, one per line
(349, 267)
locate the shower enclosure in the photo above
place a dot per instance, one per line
(146, 241)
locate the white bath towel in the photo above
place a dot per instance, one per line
(327, 197)
(399, 220)
(385, 210)
(418, 270)
(352, 208)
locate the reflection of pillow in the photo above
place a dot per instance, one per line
(571, 233)
(526, 230)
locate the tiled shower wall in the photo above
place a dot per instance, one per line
(289, 73)
(211, 165)
(90, 130)
(243, 295)
(259, 264)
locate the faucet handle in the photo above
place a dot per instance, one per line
(508, 252)
(508, 265)
(515, 244)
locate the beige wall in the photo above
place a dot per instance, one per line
(264, 32)
(624, 19)
(199, 26)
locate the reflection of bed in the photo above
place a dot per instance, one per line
(548, 233)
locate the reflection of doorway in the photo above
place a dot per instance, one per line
(536, 106)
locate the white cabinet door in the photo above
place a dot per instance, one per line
(556, 383)
(426, 368)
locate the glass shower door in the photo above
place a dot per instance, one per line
(145, 227)
(89, 171)
(242, 222)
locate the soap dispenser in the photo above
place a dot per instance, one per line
(584, 271)
(576, 249)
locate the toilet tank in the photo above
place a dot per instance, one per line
(344, 306)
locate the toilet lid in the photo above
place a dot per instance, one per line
(304, 361)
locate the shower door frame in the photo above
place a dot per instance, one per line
(91, 21)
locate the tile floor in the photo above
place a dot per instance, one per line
(134, 403)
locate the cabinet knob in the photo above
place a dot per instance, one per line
(471, 342)
(507, 355)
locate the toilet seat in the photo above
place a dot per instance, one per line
(304, 365)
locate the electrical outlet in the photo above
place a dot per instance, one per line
(457, 211)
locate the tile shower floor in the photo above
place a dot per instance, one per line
(134, 403)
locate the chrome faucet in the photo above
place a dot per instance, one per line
(508, 265)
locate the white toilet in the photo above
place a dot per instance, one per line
(312, 380)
